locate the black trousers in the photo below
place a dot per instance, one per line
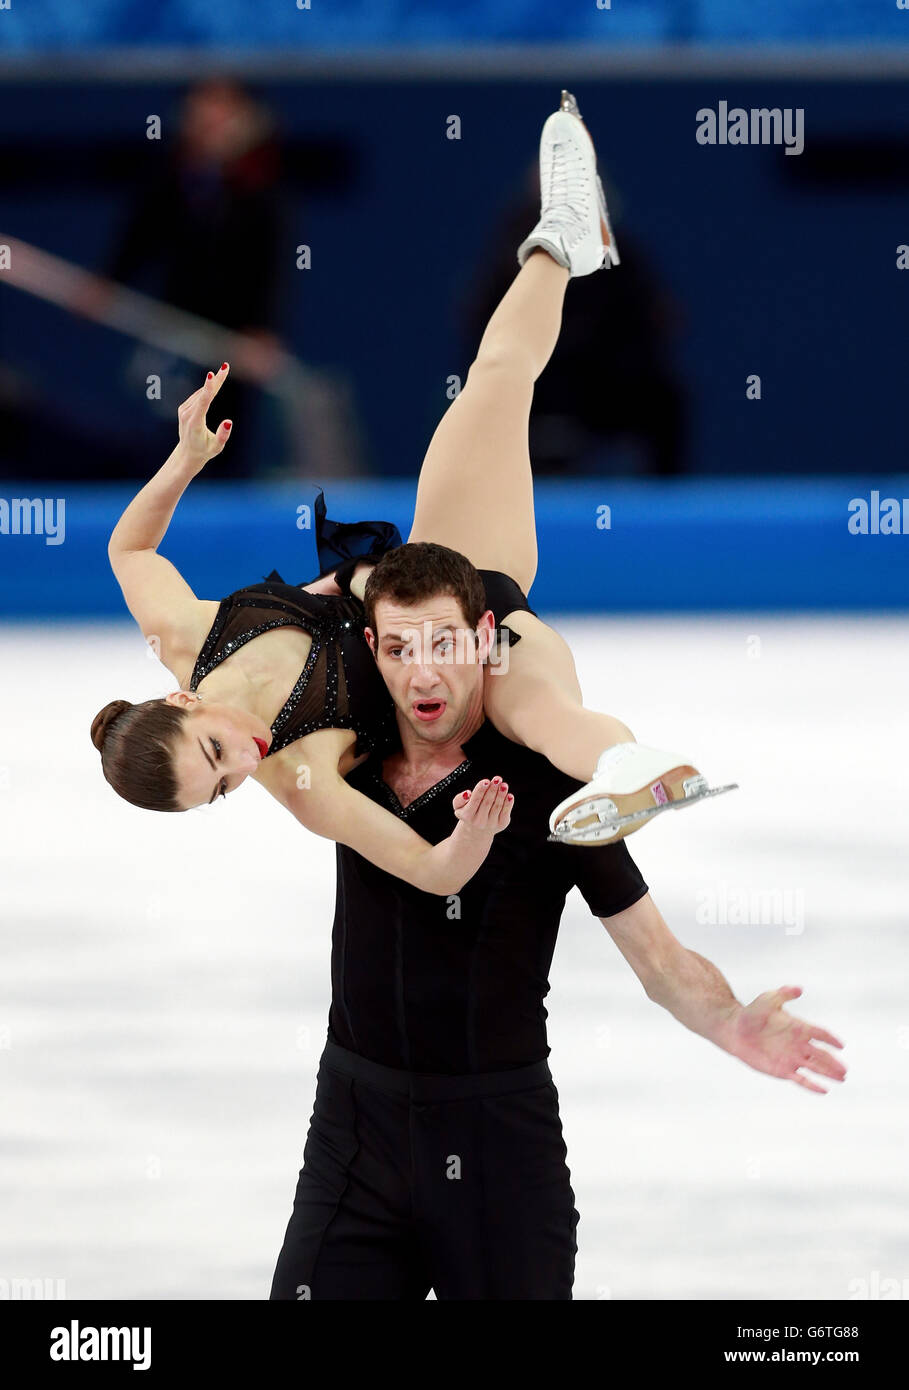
(413, 1182)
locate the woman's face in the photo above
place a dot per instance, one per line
(218, 748)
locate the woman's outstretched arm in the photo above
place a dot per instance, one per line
(332, 808)
(155, 592)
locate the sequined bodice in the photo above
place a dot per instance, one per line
(339, 686)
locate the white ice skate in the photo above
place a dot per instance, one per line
(574, 223)
(631, 785)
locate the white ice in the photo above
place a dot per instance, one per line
(165, 984)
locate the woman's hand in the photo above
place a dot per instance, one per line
(487, 808)
(197, 443)
(341, 813)
(362, 570)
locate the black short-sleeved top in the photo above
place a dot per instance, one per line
(428, 984)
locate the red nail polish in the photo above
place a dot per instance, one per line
(509, 797)
(224, 366)
(209, 377)
(227, 424)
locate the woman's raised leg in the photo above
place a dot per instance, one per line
(476, 486)
(536, 700)
(476, 495)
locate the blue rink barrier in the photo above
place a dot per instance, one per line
(604, 547)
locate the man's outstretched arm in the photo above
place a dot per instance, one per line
(760, 1034)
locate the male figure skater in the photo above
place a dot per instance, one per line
(435, 1157)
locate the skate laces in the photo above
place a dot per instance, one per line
(568, 203)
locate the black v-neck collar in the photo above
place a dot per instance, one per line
(429, 795)
(471, 747)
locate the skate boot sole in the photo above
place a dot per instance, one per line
(603, 818)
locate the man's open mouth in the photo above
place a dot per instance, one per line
(428, 710)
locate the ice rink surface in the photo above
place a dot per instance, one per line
(165, 984)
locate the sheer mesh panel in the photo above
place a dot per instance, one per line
(338, 661)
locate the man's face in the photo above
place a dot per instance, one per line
(432, 663)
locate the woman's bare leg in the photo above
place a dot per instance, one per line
(537, 701)
(476, 496)
(476, 486)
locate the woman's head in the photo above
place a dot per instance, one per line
(179, 752)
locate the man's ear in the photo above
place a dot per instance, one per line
(486, 629)
(371, 639)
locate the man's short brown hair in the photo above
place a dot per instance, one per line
(422, 570)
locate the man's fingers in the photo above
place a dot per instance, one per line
(821, 1035)
(820, 1061)
(809, 1085)
(772, 999)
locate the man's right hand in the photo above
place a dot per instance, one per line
(487, 808)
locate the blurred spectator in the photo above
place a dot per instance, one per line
(610, 382)
(207, 226)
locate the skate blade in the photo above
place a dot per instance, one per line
(610, 250)
(603, 831)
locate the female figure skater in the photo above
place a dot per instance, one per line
(299, 704)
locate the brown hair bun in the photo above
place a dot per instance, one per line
(103, 720)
